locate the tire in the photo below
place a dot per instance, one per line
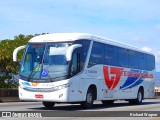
(48, 105)
(88, 103)
(108, 102)
(139, 98)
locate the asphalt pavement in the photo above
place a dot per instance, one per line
(120, 110)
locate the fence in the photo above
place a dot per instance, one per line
(8, 92)
(9, 95)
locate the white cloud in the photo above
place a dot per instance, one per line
(147, 49)
(136, 39)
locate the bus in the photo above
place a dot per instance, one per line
(81, 68)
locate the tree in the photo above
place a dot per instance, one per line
(7, 66)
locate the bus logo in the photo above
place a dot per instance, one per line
(35, 84)
(112, 76)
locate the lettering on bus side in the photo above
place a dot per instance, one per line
(92, 71)
(137, 74)
(112, 76)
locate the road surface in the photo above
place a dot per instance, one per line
(150, 107)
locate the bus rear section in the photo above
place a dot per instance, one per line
(123, 72)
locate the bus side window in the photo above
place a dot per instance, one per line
(150, 62)
(122, 55)
(83, 51)
(110, 55)
(97, 54)
(142, 61)
(75, 64)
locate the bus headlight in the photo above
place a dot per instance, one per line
(61, 87)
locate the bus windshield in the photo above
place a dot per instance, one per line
(43, 62)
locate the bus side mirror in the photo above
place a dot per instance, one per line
(70, 51)
(16, 51)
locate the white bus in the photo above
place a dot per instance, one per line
(81, 68)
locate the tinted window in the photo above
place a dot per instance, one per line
(122, 57)
(133, 59)
(142, 61)
(97, 54)
(116, 56)
(150, 62)
(74, 67)
(83, 51)
(110, 55)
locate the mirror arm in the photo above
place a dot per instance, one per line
(70, 51)
(16, 51)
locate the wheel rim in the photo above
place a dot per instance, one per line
(89, 98)
(139, 96)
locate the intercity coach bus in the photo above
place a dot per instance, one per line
(81, 68)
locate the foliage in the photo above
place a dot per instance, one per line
(7, 66)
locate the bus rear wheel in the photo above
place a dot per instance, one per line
(89, 99)
(48, 105)
(139, 98)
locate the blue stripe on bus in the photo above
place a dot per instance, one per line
(132, 81)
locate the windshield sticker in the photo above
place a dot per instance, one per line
(37, 69)
(44, 73)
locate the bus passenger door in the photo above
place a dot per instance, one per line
(74, 70)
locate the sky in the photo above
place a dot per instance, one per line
(133, 22)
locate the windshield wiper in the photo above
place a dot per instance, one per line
(30, 75)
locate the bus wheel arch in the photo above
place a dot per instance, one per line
(94, 89)
(91, 95)
(141, 88)
(140, 96)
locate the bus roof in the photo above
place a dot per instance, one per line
(69, 37)
(60, 37)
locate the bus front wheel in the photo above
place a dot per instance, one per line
(48, 105)
(88, 103)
